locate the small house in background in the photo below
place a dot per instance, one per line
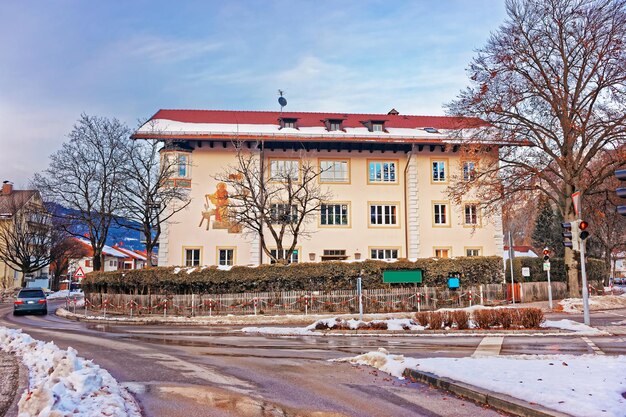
(113, 258)
(133, 260)
(618, 266)
(520, 251)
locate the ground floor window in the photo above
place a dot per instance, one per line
(226, 256)
(192, 257)
(442, 252)
(384, 253)
(293, 259)
(334, 255)
(472, 251)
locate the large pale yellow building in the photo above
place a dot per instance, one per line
(388, 175)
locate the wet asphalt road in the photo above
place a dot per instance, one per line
(218, 371)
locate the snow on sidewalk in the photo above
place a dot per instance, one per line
(586, 385)
(395, 324)
(62, 294)
(62, 383)
(596, 302)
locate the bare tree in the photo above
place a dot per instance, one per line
(150, 197)
(61, 253)
(26, 236)
(87, 176)
(275, 207)
(551, 82)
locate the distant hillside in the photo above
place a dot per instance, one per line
(117, 233)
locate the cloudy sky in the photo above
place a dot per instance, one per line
(127, 59)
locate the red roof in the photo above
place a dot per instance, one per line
(315, 119)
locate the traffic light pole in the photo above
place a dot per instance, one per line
(583, 272)
(549, 289)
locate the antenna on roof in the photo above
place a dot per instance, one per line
(282, 101)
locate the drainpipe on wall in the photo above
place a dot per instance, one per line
(262, 168)
(406, 206)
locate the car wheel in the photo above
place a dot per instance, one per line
(15, 313)
(44, 312)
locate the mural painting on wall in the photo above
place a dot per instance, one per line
(216, 206)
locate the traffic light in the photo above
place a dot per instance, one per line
(570, 231)
(621, 191)
(582, 231)
(546, 255)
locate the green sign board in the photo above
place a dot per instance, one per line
(396, 277)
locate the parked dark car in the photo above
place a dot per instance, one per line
(30, 300)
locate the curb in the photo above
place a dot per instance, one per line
(500, 402)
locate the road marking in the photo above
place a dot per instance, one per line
(592, 345)
(489, 346)
(615, 314)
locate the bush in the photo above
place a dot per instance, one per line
(503, 317)
(596, 269)
(322, 276)
(461, 318)
(483, 318)
(530, 318)
(422, 318)
(435, 319)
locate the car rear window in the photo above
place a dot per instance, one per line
(31, 294)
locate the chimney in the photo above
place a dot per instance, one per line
(7, 188)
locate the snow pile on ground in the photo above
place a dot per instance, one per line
(587, 385)
(354, 324)
(597, 302)
(571, 325)
(62, 383)
(64, 294)
(281, 331)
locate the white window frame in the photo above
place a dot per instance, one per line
(280, 168)
(383, 214)
(335, 171)
(476, 215)
(387, 253)
(478, 252)
(438, 171)
(469, 170)
(438, 213)
(381, 171)
(227, 261)
(191, 261)
(293, 259)
(331, 215)
(279, 214)
(378, 127)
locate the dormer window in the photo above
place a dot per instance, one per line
(333, 125)
(375, 125)
(288, 122)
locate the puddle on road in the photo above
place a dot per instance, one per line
(240, 405)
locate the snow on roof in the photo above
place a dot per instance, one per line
(130, 253)
(106, 250)
(199, 124)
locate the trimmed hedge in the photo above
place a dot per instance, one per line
(323, 276)
(596, 269)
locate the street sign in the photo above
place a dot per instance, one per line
(402, 276)
(525, 271)
(546, 266)
(79, 274)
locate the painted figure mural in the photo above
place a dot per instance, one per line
(219, 200)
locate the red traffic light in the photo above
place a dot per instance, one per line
(546, 252)
(583, 225)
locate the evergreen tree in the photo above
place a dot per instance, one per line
(547, 231)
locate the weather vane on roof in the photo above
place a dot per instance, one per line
(281, 100)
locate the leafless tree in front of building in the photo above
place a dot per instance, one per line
(275, 204)
(550, 82)
(151, 198)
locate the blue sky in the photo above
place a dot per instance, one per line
(127, 59)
